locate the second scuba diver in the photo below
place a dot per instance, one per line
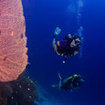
(69, 45)
(70, 83)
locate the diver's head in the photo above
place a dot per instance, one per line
(78, 80)
(76, 41)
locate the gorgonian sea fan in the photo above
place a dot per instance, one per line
(13, 57)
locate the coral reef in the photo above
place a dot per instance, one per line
(13, 57)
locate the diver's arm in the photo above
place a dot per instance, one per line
(54, 39)
(54, 43)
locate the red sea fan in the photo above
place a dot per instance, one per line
(13, 57)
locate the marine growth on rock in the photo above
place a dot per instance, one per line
(13, 51)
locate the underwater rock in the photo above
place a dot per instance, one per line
(5, 92)
(22, 91)
(25, 91)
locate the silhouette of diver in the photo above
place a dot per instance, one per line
(70, 83)
(69, 45)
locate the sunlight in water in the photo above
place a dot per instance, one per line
(75, 6)
(80, 3)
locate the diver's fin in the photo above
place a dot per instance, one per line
(57, 31)
(80, 30)
(59, 76)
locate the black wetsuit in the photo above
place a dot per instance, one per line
(68, 50)
(72, 83)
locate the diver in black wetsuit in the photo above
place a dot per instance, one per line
(70, 83)
(68, 46)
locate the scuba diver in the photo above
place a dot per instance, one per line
(70, 83)
(69, 45)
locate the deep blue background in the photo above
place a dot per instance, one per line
(42, 16)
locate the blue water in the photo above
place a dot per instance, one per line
(42, 16)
